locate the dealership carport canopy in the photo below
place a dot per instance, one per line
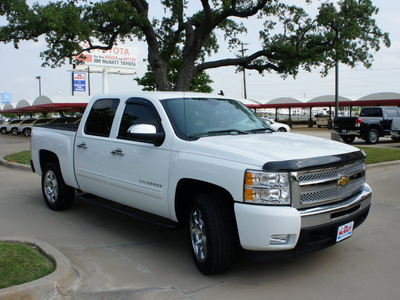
(378, 99)
(45, 104)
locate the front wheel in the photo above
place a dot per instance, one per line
(282, 129)
(4, 131)
(212, 234)
(14, 131)
(56, 194)
(27, 132)
(372, 136)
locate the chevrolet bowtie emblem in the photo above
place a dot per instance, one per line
(343, 181)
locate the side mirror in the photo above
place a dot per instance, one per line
(146, 133)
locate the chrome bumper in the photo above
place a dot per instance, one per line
(331, 213)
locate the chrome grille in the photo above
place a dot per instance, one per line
(331, 194)
(316, 187)
(335, 173)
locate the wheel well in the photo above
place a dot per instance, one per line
(188, 187)
(46, 157)
(377, 127)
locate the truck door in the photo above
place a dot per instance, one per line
(138, 173)
(391, 118)
(93, 148)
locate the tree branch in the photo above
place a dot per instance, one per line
(245, 62)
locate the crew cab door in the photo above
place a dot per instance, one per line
(138, 173)
(93, 148)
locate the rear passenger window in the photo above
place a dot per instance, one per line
(101, 116)
(371, 112)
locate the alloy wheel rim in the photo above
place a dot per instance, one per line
(373, 137)
(51, 186)
(198, 235)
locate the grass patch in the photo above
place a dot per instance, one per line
(22, 157)
(378, 155)
(21, 263)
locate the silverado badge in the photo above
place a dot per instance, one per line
(343, 181)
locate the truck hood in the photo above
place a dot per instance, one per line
(258, 149)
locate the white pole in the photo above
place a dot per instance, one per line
(105, 82)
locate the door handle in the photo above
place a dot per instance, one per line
(118, 152)
(82, 145)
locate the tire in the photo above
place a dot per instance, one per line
(212, 232)
(14, 131)
(372, 136)
(56, 194)
(282, 129)
(348, 139)
(4, 131)
(319, 126)
(27, 132)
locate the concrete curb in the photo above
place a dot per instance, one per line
(14, 165)
(383, 164)
(52, 286)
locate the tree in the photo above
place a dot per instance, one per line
(342, 31)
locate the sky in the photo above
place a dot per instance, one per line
(19, 69)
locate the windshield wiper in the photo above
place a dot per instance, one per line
(198, 135)
(259, 130)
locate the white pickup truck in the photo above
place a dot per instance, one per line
(207, 162)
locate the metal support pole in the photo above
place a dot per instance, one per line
(105, 82)
(336, 89)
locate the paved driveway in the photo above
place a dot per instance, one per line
(121, 258)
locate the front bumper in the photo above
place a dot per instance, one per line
(306, 230)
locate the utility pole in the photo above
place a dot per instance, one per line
(244, 71)
(40, 84)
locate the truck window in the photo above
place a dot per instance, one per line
(192, 117)
(101, 116)
(138, 111)
(371, 112)
(390, 113)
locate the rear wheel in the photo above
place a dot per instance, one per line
(372, 136)
(212, 234)
(348, 139)
(282, 129)
(14, 131)
(56, 194)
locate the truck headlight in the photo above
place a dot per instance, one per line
(267, 188)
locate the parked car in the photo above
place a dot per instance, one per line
(7, 127)
(26, 127)
(209, 163)
(20, 127)
(322, 120)
(373, 122)
(395, 132)
(277, 126)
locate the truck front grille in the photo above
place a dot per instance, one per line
(316, 187)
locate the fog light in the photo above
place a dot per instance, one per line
(279, 239)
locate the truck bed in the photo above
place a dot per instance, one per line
(68, 127)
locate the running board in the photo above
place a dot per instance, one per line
(129, 211)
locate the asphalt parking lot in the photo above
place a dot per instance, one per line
(117, 257)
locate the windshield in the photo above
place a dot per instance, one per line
(193, 118)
